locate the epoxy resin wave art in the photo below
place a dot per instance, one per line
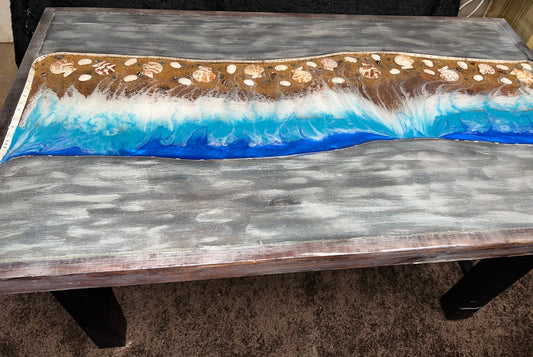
(90, 104)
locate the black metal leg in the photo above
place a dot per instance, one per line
(482, 283)
(97, 312)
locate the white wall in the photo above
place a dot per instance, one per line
(5, 22)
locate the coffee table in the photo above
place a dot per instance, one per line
(78, 226)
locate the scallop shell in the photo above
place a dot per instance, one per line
(281, 67)
(85, 61)
(63, 66)
(502, 67)
(506, 80)
(375, 57)
(301, 76)
(337, 80)
(429, 71)
(104, 68)
(311, 64)
(394, 71)
(231, 68)
(175, 65)
(254, 70)
(285, 83)
(486, 69)
(350, 59)
(526, 66)
(448, 75)
(523, 76)
(478, 77)
(369, 71)
(185, 81)
(249, 82)
(328, 63)
(130, 62)
(84, 77)
(203, 74)
(462, 64)
(428, 63)
(405, 61)
(130, 78)
(151, 68)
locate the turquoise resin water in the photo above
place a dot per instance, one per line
(215, 128)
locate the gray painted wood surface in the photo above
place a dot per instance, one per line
(427, 200)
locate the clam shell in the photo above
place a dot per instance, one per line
(462, 64)
(254, 70)
(526, 66)
(506, 80)
(375, 57)
(311, 64)
(85, 61)
(281, 67)
(502, 67)
(84, 77)
(429, 71)
(175, 65)
(523, 76)
(394, 71)
(285, 83)
(350, 59)
(130, 78)
(104, 68)
(231, 68)
(369, 71)
(328, 63)
(428, 63)
(405, 61)
(63, 66)
(486, 69)
(203, 74)
(151, 68)
(130, 62)
(301, 76)
(249, 82)
(449, 75)
(185, 81)
(337, 80)
(478, 77)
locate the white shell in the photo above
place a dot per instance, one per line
(185, 81)
(428, 63)
(285, 83)
(249, 82)
(85, 61)
(231, 68)
(311, 64)
(350, 59)
(478, 77)
(506, 80)
(448, 75)
(502, 67)
(130, 78)
(485, 69)
(329, 63)
(526, 66)
(375, 57)
(130, 62)
(405, 61)
(429, 71)
(394, 71)
(63, 66)
(337, 80)
(175, 65)
(281, 67)
(104, 68)
(462, 64)
(254, 70)
(84, 77)
(523, 76)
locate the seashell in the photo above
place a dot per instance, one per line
(85, 61)
(151, 68)
(328, 63)
(130, 62)
(130, 78)
(281, 67)
(311, 64)
(350, 59)
(175, 65)
(63, 66)
(394, 71)
(203, 74)
(369, 71)
(462, 64)
(285, 83)
(249, 82)
(502, 67)
(301, 76)
(337, 80)
(185, 81)
(486, 69)
(506, 80)
(448, 75)
(254, 70)
(104, 68)
(231, 68)
(429, 71)
(375, 57)
(526, 66)
(84, 77)
(478, 77)
(428, 63)
(523, 76)
(405, 61)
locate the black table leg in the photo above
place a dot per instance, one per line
(482, 283)
(97, 312)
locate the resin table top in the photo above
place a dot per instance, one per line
(73, 222)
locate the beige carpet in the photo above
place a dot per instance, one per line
(389, 311)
